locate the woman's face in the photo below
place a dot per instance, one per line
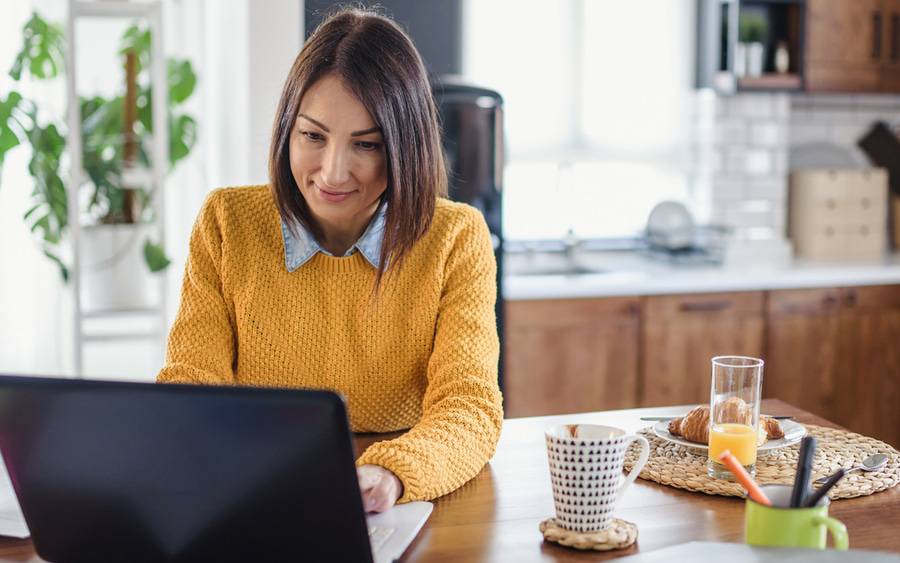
(337, 157)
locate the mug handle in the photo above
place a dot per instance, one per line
(639, 464)
(837, 530)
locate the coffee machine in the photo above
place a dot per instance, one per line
(472, 125)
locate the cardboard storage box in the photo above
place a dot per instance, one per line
(839, 214)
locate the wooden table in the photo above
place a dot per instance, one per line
(495, 516)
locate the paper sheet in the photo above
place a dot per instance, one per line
(12, 523)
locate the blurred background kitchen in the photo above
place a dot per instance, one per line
(666, 181)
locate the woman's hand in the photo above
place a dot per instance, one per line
(380, 488)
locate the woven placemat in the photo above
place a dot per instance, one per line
(619, 535)
(685, 468)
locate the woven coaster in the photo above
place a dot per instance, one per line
(685, 468)
(619, 535)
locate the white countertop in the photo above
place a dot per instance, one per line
(632, 274)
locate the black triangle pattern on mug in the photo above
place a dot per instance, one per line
(585, 481)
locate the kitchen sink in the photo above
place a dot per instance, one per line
(555, 270)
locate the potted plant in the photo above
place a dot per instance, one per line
(752, 33)
(115, 132)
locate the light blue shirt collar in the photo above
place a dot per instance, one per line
(299, 249)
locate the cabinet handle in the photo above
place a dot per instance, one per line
(850, 298)
(829, 302)
(705, 306)
(876, 35)
(895, 37)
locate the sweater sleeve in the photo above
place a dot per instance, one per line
(462, 406)
(201, 343)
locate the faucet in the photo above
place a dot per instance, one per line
(570, 246)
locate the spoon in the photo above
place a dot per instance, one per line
(871, 463)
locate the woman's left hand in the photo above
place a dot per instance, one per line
(380, 488)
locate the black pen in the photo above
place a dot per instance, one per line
(817, 495)
(804, 469)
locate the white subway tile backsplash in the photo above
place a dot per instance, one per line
(878, 102)
(847, 135)
(760, 233)
(736, 218)
(751, 105)
(767, 134)
(780, 161)
(805, 132)
(832, 102)
(781, 106)
(841, 116)
(774, 187)
(731, 131)
(758, 162)
(755, 206)
(743, 151)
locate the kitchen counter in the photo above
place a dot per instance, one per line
(631, 273)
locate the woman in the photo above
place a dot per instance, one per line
(350, 272)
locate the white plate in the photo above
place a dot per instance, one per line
(793, 432)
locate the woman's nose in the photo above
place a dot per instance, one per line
(335, 167)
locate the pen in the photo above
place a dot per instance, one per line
(744, 478)
(817, 495)
(804, 469)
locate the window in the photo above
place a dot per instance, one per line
(598, 105)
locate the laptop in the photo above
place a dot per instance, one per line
(112, 471)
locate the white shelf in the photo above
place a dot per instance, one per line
(151, 11)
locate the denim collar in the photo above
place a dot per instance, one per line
(299, 249)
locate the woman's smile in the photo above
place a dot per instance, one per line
(331, 196)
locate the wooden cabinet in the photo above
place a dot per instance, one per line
(891, 68)
(837, 353)
(802, 348)
(571, 355)
(834, 352)
(852, 46)
(682, 333)
(867, 393)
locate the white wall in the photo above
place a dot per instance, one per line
(241, 51)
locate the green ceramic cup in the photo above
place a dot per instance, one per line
(776, 526)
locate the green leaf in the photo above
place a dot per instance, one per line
(31, 211)
(155, 257)
(137, 39)
(63, 270)
(8, 138)
(182, 136)
(16, 71)
(42, 50)
(182, 80)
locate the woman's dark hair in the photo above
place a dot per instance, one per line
(378, 62)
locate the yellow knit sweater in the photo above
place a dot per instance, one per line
(422, 356)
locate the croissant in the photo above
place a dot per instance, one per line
(694, 426)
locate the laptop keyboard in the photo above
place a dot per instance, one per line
(378, 535)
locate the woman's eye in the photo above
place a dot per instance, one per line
(312, 136)
(368, 145)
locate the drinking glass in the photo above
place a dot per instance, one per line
(734, 396)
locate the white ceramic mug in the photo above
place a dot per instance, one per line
(585, 467)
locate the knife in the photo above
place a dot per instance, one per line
(668, 418)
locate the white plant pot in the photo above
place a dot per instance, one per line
(114, 273)
(755, 57)
(740, 60)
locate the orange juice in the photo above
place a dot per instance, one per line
(739, 438)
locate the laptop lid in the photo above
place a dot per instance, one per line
(110, 471)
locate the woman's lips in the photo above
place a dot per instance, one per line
(333, 197)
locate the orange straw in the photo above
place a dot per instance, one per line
(744, 478)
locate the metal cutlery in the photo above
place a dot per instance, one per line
(871, 463)
(667, 418)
